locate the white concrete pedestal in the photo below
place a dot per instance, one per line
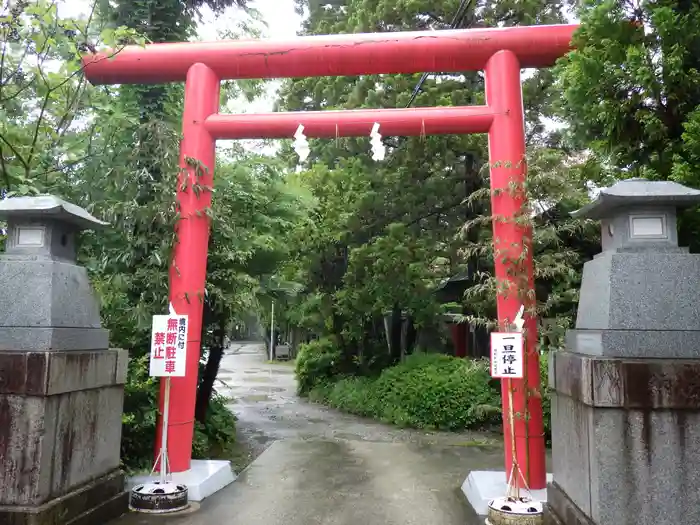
(205, 477)
(481, 486)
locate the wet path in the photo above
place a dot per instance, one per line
(263, 396)
(316, 466)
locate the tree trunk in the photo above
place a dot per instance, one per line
(211, 370)
(395, 335)
(411, 336)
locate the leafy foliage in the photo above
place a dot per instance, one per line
(213, 437)
(140, 414)
(253, 210)
(427, 390)
(248, 217)
(631, 91)
(44, 99)
(546, 396)
(430, 391)
(632, 86)
(385, 235)
(317, 362)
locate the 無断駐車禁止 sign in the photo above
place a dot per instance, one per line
(168, 346)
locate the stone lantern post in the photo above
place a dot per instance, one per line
(625, 408)
(61, 388)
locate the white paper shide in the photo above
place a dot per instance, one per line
(507, 356)
(168, 346)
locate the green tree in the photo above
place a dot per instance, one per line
(385, 234)
(631, 90)
(139, 257)
(131, 267)
(632, 85)
(253, 210)
(44, 99)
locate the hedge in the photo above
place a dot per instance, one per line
(426, 391)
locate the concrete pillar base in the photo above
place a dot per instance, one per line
(563, 511)
(482, 486)
(625, 440)
(99, 501)
(60, 430)
(204, 478)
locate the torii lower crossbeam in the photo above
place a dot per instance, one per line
(412, 122)
(501, 53)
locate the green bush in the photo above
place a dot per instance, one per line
(317, 362)
(216, 437)
(139, 416)
(426, 391)
(213, 439)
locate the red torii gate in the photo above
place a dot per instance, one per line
(501, 53)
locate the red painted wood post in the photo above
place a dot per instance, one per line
(507, 157)
(189, 265)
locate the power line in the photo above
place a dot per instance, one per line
(456, 22)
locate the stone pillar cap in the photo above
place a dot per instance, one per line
(48, 207)
(638, 192)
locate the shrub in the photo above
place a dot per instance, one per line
(216, 437)
(426, 391)
(213, 439)
(355, 395)
(139, 416)
(317, 362)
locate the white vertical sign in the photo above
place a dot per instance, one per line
(507, 355)
(168, 346)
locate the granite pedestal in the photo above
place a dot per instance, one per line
(626, 436)
(60, 432)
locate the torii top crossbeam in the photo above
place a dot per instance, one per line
(334, 55)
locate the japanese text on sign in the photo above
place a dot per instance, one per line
(168, 345)
(507, 355)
